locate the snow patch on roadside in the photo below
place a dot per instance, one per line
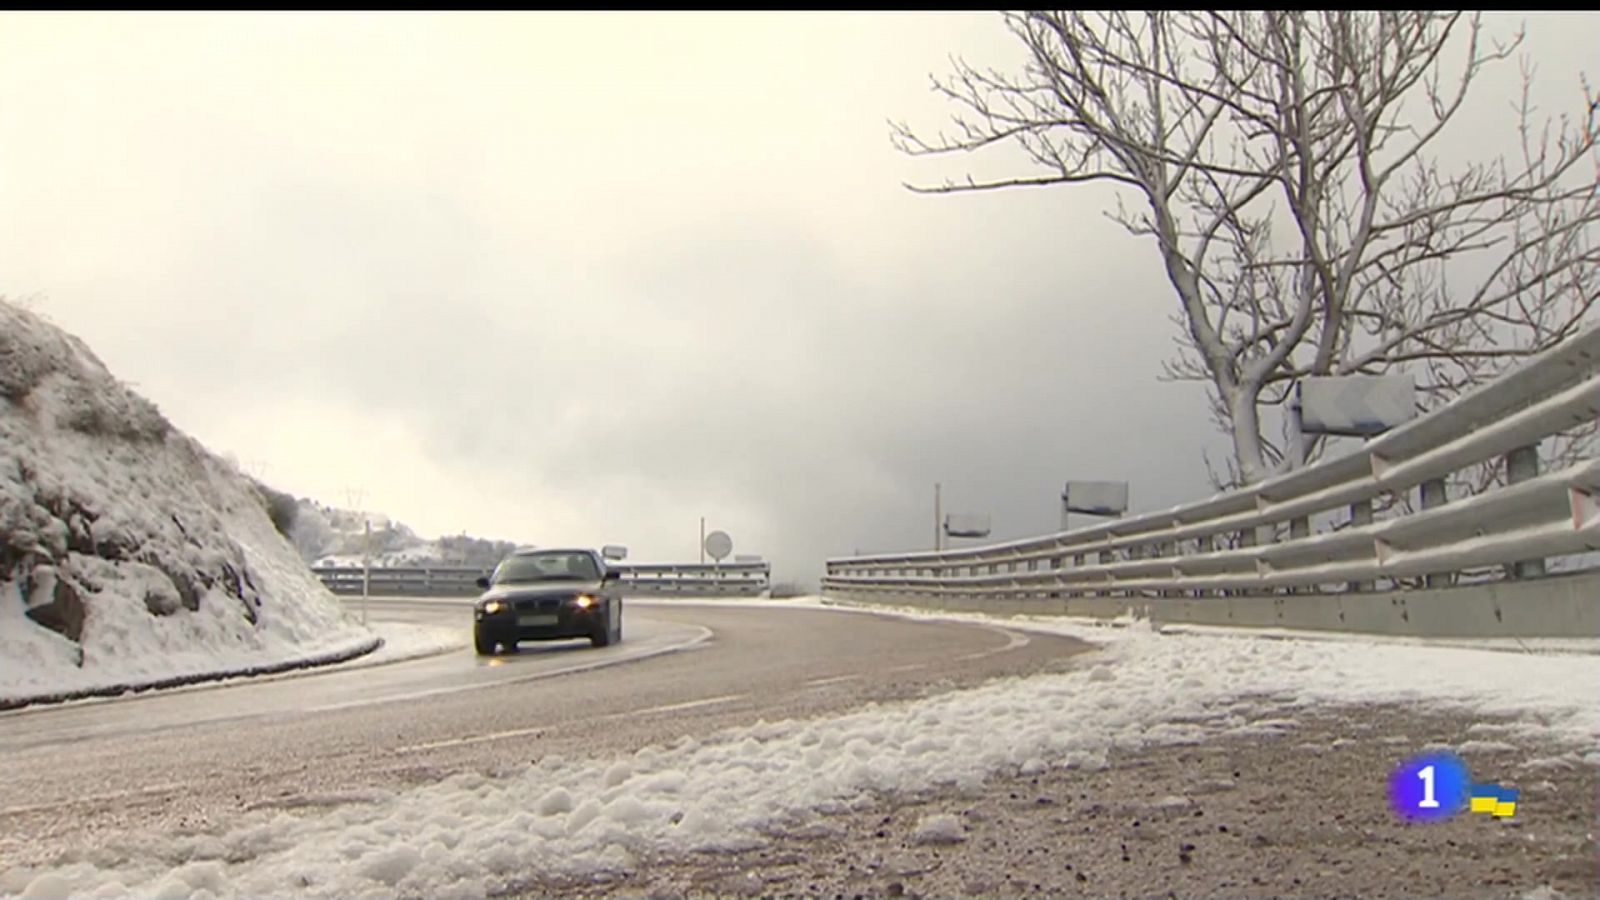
(753, 602)
(942, 828)
(1103, 631)
(407, 640)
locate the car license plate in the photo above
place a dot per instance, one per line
(537, 619)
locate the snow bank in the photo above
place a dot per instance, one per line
(129, 555)
(748, 602)
(1096, 630)
(405, 640)
(470, 835)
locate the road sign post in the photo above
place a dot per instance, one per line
(366, 567)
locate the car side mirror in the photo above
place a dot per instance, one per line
(611, 575)
(483, 582)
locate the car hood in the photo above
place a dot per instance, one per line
(533, 590)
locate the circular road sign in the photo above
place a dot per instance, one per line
(718, 545)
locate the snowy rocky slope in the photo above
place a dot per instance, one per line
(130, 555)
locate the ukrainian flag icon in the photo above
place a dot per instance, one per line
(1493, 799)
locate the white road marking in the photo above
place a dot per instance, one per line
(673, 707)
(608, 660)
(475, 739)
(524, 732)
(819, 682)
(1014, 640)
(151, 790)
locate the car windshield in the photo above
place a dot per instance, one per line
(547, 567)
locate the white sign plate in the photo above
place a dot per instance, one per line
(1097, 498)
(1356, 404)
(966, 525)
(718, 545)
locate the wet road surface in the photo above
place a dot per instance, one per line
(197, 757)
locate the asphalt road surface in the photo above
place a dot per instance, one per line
(198, 757)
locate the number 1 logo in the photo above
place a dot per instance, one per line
(1429, 788)
(1427, 801)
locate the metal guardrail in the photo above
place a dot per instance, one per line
(1259, 540)
(638, 580)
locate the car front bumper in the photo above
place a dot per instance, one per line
(534, 623)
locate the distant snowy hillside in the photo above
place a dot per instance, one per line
(328, 536)
(320, 531)
(128, 553)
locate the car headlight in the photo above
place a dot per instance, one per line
(494, 606)
(585, 601)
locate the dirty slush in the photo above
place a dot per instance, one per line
(1300, 813)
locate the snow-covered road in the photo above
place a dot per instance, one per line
(781, 717)
(216, 758)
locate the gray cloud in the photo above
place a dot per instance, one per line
(582, 279)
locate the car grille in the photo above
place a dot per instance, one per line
(544, 605)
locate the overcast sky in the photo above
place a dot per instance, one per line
(577, 279)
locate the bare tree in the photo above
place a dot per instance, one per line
(1286, 164)
(311, 534)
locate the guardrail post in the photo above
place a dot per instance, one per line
(1434, 496)
(1521, 465)
(1202, 545)
(1162, 549)
(1360, 515)
(1248, 537)
(1433, 493)
(1300, 527)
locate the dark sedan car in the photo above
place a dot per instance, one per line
(544, 595)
